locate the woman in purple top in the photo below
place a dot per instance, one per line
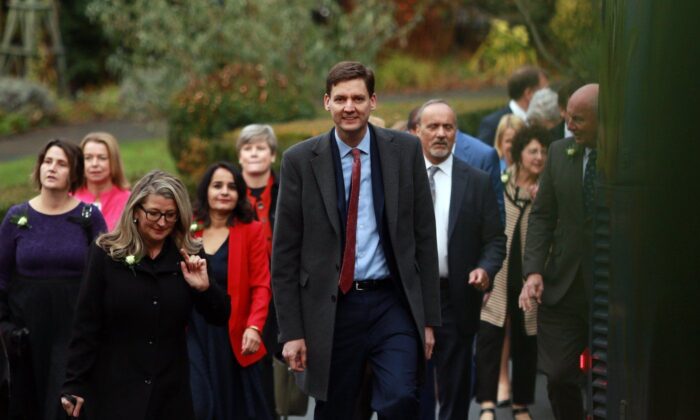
(104, 185)
(43, 247)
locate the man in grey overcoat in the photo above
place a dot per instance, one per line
(354, 269)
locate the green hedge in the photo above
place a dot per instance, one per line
(468, 122)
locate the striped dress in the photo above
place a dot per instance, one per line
(518, 205)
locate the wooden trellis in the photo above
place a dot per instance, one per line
(26, 21)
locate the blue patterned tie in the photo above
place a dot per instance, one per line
(589, 184)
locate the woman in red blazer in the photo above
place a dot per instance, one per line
(224, 369)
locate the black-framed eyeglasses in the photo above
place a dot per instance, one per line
(153, 215)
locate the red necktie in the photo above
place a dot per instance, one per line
(347, 273)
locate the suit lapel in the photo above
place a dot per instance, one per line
(323, 170)
(460, 184)
(389, 157)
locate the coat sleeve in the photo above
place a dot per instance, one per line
(543, 219)
(87, 325)
(286, 252)
(258, 276)
(493, 250)
(426, 241)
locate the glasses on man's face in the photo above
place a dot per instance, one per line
(153, 215)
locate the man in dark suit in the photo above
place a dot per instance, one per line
(557, 261)
(522, 84)
(471, 249)
(354, 260)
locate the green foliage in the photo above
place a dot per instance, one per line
(92, 105)
(506, 48)
(24, 104)
(87, 48)
(577, 34)
(232, 97)
(164, 44)
(468, 122)
(402, 72)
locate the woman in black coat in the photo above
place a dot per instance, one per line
(128, 355)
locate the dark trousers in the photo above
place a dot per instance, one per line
(561, 338)
(453, 364)
(523, 350)
(375, 327)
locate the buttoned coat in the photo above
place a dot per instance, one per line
(558, 235)
(307, 252)
(128, 354)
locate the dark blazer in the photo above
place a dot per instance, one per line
(307, 249)
(489, 124)
(558, 234)
(478, 155)
(128, 355)
(475, 240)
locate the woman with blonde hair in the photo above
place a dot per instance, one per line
(128, 354)
(507, 128)
(105, 184)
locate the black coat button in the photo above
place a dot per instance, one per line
(147, 381)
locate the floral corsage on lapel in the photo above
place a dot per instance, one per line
(21, 220)
(131, 261)
(196, 227)
(505, 177)
(572, 151)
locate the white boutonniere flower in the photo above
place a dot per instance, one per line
(22, 221)
(571, 151)
(505, 176)
(131, 261)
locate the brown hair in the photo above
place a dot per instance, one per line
(75, 163)
(523, 78)
(350, 70)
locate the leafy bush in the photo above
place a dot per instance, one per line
(91, 105)
(232, 97)
(468, 122)
(506, 48)
(24, 104)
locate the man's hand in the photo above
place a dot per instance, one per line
(294, 353)
(479, 279)
(532, 289)
(429, 342)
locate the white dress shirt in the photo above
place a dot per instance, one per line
(517, 111)
(443, 190)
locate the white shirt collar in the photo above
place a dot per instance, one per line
(517, 111)
(445, 166)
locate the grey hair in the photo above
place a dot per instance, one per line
(544, 107)
(257, 131)
(125, 239)
(419, 113)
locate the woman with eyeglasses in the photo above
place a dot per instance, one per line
(128, 353)
(224, 361)
(43, 245)
(529, 152)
